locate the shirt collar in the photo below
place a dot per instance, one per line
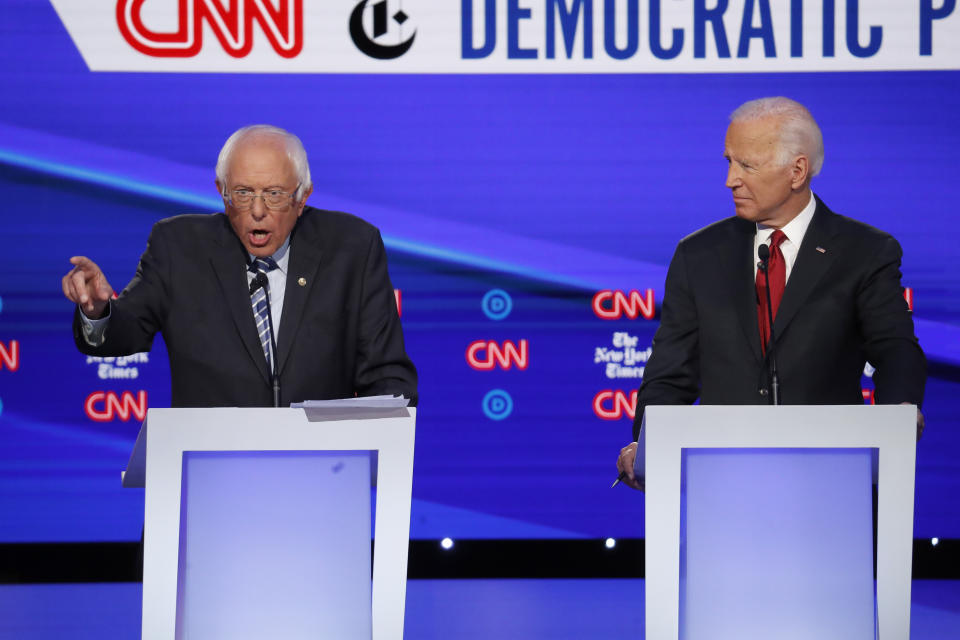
(281, 256)
(795, 229)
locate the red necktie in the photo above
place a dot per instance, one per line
(778, 280)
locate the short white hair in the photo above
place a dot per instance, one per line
(799, 133)
(295, 151)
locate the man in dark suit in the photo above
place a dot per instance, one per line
(842, 303)
(334, 330)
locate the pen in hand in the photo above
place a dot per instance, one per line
(620, 478)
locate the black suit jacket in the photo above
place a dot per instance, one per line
(843, 305)
(339, 332)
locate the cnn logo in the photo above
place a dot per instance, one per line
(231, 22)
(613, 305)
(484, 355)
(104, 406)
(613, 404)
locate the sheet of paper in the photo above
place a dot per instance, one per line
(383, 402)
(369, 407)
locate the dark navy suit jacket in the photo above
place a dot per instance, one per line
(340, 333)
(843, 305)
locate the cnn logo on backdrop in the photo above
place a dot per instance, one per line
(230, 21)
(104, 406)
(484, 355)
(613, 404)
(612, 304)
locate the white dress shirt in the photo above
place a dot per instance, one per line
(794, 230)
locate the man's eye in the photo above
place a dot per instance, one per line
(275, 194)
(243, 193)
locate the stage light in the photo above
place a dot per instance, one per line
(447, 543)
(934, 541)
(609, 543)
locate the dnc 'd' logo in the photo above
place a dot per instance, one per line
(230, 21)
(372, 33)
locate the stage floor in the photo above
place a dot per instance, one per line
(436, 609)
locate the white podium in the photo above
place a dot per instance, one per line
(759, 521)
(258, 522)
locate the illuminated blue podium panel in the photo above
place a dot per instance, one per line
(274, 543)
(776, 543)
(759, 522)
(258, 523)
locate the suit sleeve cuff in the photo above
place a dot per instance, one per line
(94, 331)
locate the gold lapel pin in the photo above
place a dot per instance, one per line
(302, 282)
(820, 249)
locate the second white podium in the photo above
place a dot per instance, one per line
(759, 521)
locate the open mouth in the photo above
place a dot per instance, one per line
(259, 237)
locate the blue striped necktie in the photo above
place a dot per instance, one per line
(260, 301)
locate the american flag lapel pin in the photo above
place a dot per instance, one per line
(821, 250)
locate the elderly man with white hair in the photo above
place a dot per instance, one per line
(834, 290)
(267, 303)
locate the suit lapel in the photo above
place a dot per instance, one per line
(813, 260)
(305, 254)
(737, 264)
(227, 261)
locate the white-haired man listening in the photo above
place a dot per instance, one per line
(834, 292)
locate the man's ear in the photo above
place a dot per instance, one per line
(303, 201)
(219, 187)
(800, 172)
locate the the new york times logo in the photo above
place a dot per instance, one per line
(370, 43)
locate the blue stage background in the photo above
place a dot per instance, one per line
(547, 187)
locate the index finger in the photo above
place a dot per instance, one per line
(84, 264)
(79, 283)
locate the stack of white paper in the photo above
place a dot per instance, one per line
(371, 406)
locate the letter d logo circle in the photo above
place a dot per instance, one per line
(497, 404)
(496, 304)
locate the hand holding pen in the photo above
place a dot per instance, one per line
(625, 466)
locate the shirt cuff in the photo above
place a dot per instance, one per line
(94, 331)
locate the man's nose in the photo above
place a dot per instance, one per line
(733, 177)
(257, 209)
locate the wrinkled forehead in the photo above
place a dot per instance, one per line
(756, 136)
(260, 157)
